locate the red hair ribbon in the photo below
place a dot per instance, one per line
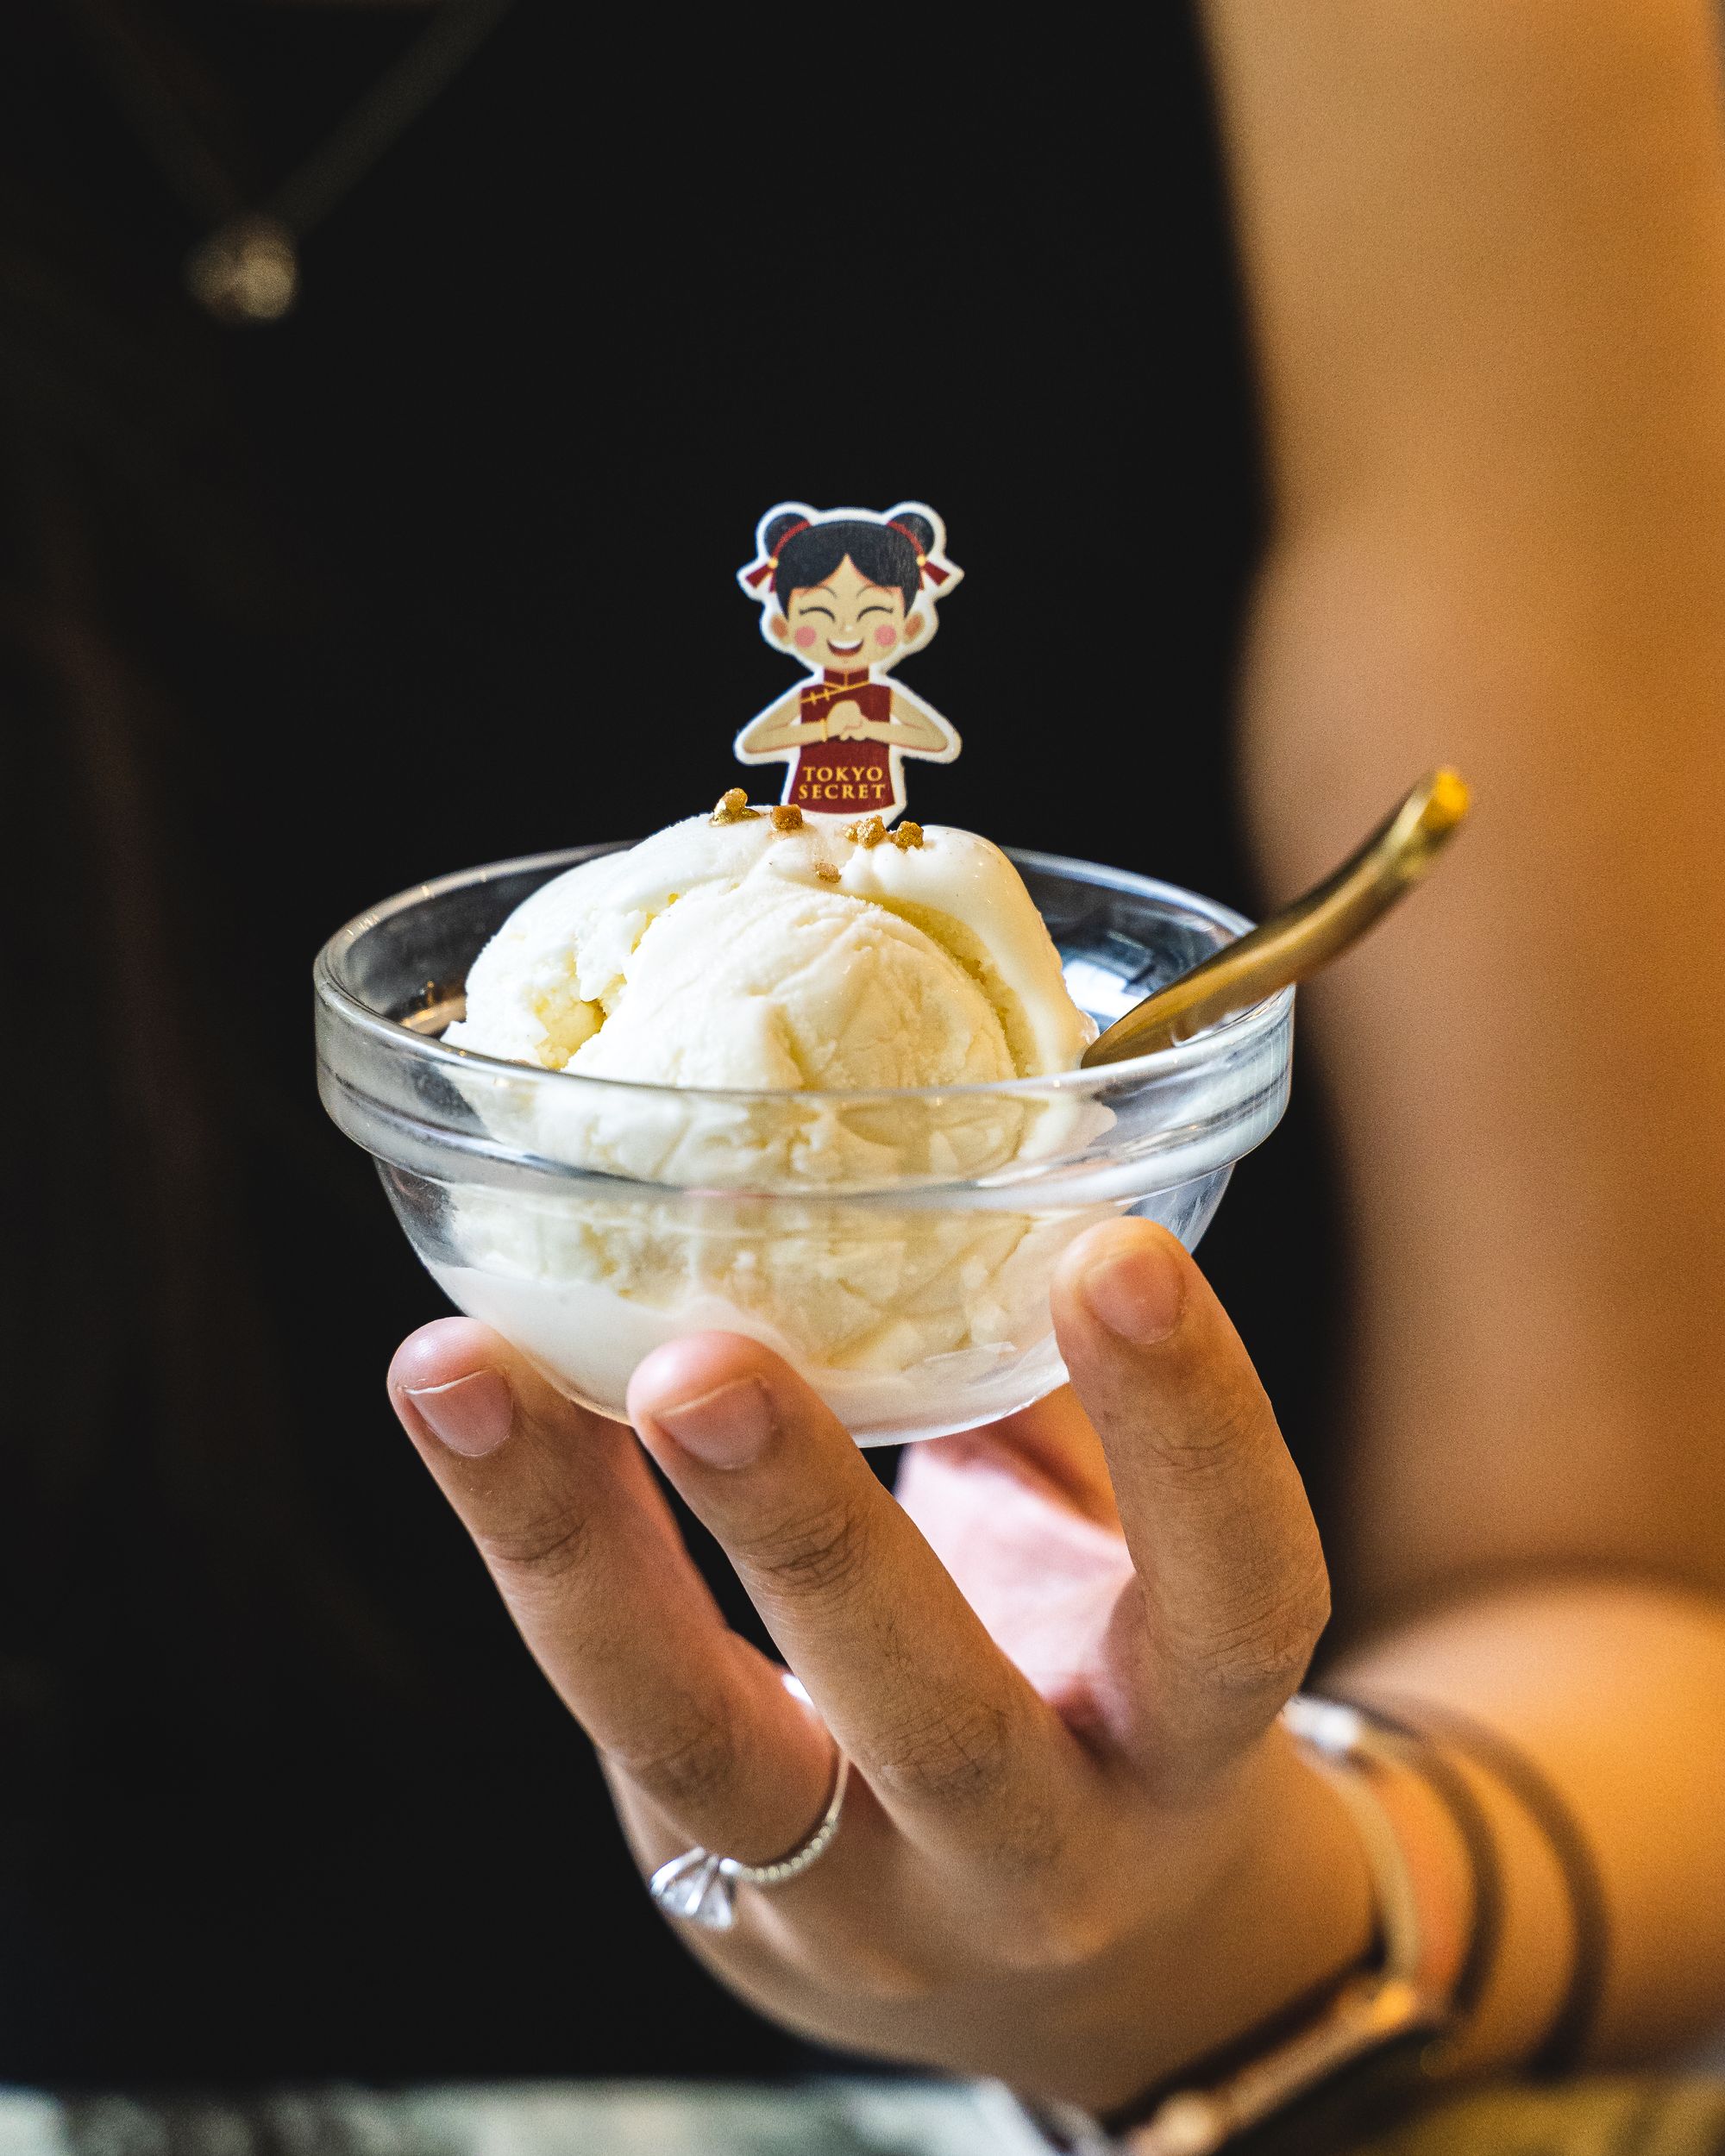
(758, 575)
(932, 572)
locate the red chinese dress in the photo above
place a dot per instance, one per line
(845, 778)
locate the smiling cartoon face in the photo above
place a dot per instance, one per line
(846, 623)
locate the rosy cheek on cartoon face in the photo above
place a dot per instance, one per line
(806, 638)
(886, 637)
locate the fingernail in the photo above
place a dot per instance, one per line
(473, 1415)
(1138, 1293)
(726, 1427)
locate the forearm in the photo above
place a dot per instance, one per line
(1485, 248)
(1615, 1691)
(893, 730)
(780, 727)
(912, 726)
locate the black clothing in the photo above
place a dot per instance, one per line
(293, 616)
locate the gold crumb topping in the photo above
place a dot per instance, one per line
(827, 873)
(788, 818)
(906, 835)
(732, 807)
(867, 831)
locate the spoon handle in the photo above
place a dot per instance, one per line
(1302, 937)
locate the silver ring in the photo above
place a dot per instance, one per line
(698, 1886)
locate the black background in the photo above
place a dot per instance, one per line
(439, 570)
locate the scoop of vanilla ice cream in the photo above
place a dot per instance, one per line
(829, 983)
(775, 984)
(736, 954)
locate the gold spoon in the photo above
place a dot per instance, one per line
(1304, 936)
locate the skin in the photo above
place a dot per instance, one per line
(987, 1904)
(1484, 249)
(845, 624)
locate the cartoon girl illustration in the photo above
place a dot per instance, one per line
(848, 593)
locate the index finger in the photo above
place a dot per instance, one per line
(1232, 1591)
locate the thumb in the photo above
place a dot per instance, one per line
(1231, 1592)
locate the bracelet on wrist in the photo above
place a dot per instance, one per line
(1565, 2040)
(1384, 2028)
(1467, 1815)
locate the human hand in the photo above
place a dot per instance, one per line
(845, 721)
(1076, 1851)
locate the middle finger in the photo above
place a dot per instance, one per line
(954, 1741)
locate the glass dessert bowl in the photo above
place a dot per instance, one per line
(895, 1246)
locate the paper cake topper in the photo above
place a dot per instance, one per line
(847, 592)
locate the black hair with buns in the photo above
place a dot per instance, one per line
(886, 554)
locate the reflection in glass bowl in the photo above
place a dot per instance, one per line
(896, 1247)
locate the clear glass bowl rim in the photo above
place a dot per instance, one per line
(1235, 1032)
